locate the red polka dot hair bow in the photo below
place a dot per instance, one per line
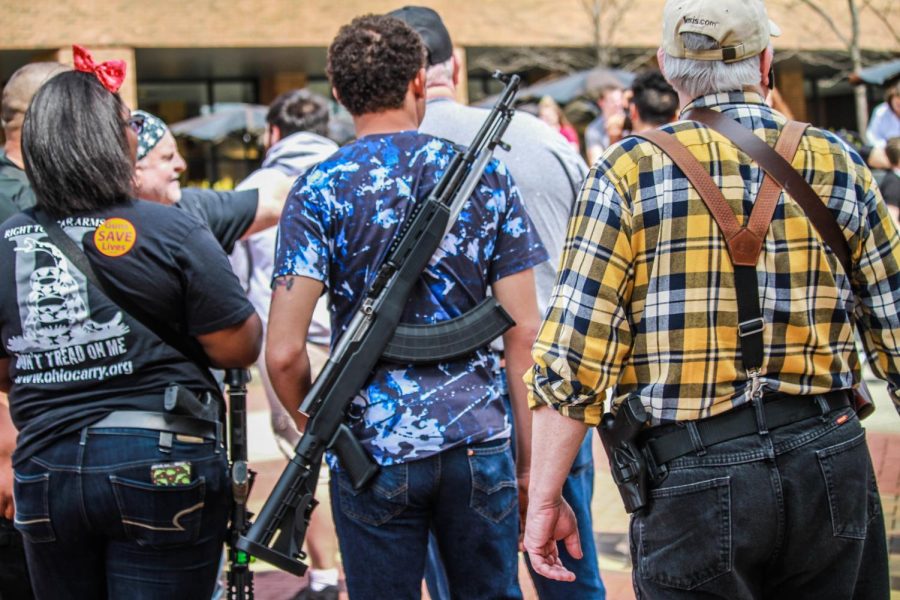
(110, 73)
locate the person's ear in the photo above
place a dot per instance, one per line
(456, 63)
(418, 84)
(633, 113)
(765, 68)
(274, 134)
(336, 95)
(661, 60)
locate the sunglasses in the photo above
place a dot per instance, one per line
(136, 122)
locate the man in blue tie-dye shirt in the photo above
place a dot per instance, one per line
(440, 431)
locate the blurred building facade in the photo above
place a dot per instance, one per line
(187, 55)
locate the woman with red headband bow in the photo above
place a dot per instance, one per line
(111, 312)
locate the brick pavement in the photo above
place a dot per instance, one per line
(610, 520)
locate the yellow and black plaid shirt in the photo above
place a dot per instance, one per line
(645, 297)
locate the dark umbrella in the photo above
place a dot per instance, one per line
(225, 120)
(568, 88)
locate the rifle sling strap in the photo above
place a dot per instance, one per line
(745, 242)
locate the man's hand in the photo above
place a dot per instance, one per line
(7, 507)
(543, 527)
(556, 439)
(7, 445)
(272, 192)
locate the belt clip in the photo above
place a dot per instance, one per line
(657, 473)
(165, 441)
(822, 402)
(696, 440)
(756, 399)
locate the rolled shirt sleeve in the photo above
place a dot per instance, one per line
(586, 337)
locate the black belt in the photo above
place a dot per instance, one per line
(779, 410)
(165, 422)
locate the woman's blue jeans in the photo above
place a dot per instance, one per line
(96, 527)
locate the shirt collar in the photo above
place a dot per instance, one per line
(4, 160)
(722, 100)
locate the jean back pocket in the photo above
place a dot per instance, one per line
(380, 501)
(685, 535)
(493, 472)
(159, 515)
(33, 507)
(846, 471)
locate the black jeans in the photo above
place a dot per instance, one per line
(794, 513)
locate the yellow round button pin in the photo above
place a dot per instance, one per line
(115, 237)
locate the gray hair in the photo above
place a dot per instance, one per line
(696, 78)
(440, 74)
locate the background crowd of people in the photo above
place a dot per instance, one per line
(123, 291)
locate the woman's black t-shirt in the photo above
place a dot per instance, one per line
(75, 356)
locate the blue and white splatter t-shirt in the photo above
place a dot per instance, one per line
(336, 228)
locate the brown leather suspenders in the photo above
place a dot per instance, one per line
(777, 165)
(745, 242)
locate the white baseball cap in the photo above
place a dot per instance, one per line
(741, 27)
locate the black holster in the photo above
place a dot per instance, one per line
(179, 400)
(626, 462)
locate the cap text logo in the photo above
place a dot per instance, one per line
(700, 22)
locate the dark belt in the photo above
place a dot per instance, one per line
(779, 410)
(164, 422)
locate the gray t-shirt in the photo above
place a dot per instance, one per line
(547, 170)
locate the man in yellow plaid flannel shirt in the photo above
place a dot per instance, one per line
(645, 304)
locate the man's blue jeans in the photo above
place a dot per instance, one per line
(96, 527)
(792, 513)
(578, 491)
(466, 495)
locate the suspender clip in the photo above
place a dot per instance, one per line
(756, 385)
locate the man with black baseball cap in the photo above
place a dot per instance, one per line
(548, 172)
(722, 312)
(430, 27)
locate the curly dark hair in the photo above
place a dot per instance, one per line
(371, 62)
